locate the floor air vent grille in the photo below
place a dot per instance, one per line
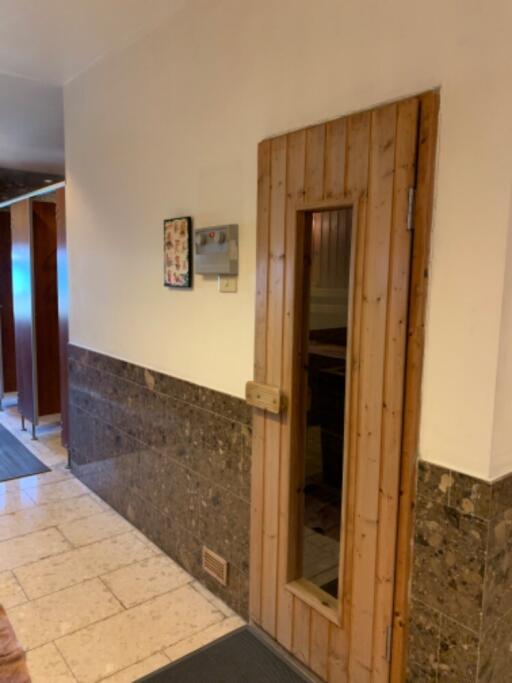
(215, 565)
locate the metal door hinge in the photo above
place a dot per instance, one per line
(410, 208)
(389, 642)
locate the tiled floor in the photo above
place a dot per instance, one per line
(91, 599)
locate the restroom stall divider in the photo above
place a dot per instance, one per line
(22, 276)
(7, 353)
(63, 307)
(46, 306)
(34, 253)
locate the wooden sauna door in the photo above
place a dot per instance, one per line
(365, 162)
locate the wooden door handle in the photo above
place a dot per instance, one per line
(264, 396)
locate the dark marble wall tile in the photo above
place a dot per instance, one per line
(172, 457)
(433, 482)
(82, 432)
(495, 663)
(470, 496)
(458, 653)
(498, 588)
(501, 496)
(500, 533)
(424, 643)
(449, 561)
(217, 402)
(462, 572)
(223, 521)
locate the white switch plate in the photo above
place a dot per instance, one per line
(228, 284)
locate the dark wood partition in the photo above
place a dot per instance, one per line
(7, 315)
(36, 319)
(22, 272)
(44, 226)
(63, 296)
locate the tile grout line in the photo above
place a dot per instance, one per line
(213, 598)
(44, 557)
(65, 635)
(72, 549)
(66, 477)
(122, 611)
(446, 616)
(54, 643)
(35, 530)
(172, 397)
(182, 528)
(120, 671)
(118, 600)
(48, 502)
(159, 453)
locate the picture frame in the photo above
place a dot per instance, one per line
(178, 252)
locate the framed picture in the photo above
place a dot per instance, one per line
(178, 252)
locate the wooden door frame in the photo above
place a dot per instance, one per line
(63, 308)
(425, 177)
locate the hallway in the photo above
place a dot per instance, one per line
(91, 599)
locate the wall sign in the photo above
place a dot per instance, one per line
(178, 252)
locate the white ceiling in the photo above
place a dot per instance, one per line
(43, 45)
(54, 40)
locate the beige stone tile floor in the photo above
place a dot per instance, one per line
(91, 599)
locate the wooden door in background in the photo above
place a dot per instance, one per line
(34, 277)
(8, 350)
(365, 163)
(46, 313)
(22, 284)
(63, 297)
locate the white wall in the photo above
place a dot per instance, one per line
(170, 127)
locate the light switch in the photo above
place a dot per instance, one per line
(228, 284)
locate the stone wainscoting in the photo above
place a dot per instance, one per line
(172, 457)
(461, 611)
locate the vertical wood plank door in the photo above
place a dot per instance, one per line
(364, 162)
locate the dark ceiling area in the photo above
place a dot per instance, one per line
(16, 183)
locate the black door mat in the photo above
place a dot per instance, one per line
(15, 460)
(240, 657)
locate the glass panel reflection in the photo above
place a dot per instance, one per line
(327, 319)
